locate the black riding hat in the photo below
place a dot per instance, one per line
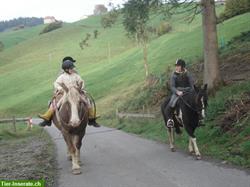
(67, 64)
(68, 58)
(180, 62)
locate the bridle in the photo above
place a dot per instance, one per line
(59, 118)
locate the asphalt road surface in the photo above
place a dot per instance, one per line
(112, 158)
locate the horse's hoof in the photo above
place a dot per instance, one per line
(173, 149)
(198, 157)
(76, 171)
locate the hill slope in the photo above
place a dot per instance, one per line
(112, 65)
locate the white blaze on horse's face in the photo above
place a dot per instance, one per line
(73, 99)
(203, 108)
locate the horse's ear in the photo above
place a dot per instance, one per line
(65, 88)
(205, 87)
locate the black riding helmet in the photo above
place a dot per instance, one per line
(68, 58)
(180, 62)
(67, 64)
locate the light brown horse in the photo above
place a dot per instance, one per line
(71, 119)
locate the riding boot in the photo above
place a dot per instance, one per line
(47, 116)
(92, 118)
(45, 123)
(93, 123)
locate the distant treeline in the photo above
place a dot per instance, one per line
(20, 22)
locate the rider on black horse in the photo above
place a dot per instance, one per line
(181, 81)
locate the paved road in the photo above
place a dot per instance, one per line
(112, 158)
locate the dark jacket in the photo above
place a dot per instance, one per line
(181, 82)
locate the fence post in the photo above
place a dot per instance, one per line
(29, 124)
(14, 123)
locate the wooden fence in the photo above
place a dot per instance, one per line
(13, 120)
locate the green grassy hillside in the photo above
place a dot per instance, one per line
(111, 66)
(12, 38)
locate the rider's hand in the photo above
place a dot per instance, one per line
(179, 93)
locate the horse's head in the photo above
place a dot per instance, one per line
(73, 105)
(201, 99)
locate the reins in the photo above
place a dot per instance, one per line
(187, 104)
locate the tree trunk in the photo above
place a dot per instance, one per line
(145, 59)
(211, 60)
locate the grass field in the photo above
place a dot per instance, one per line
(112, 66)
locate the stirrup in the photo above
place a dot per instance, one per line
(93, 123)
(45, 123)
(170, 123)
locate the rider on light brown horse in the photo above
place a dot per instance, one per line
(69, 78)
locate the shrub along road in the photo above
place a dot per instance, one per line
(112, 158)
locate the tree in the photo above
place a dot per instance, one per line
(100, 9)
(236, 7)
(211, 74)
(84, 42)
(51, 27)
(135, 17)
(95, 33)
(211, 58)
(110, 18)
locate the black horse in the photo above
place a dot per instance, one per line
(190, 109)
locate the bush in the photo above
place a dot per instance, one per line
(52, 26)
(234, 8)
(163, 28)
(109, 19)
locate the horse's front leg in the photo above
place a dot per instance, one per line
(196, 150)
(171, 138)
(77, 144)
(75, 154)
(190, 146)
(69, 155)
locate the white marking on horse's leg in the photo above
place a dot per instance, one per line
(171, 138)
(180, 114)
(75, 164)
(78, 156)
(197, 152)
(76, 139)
(203, 109)
(190, 146)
